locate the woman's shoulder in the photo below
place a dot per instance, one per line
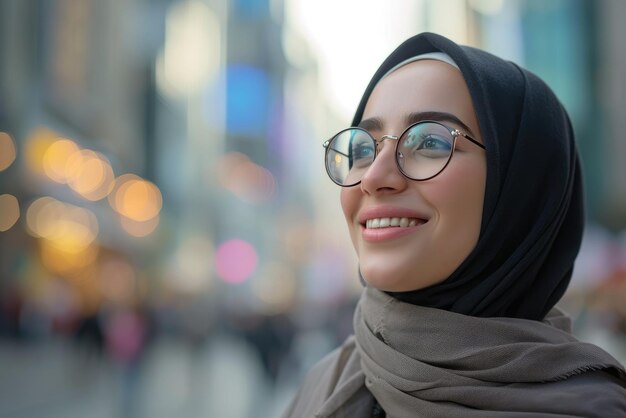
(338, 369)
(591, 393)
(603, 391)
(327, 372)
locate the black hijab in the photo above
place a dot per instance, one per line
(533, 214)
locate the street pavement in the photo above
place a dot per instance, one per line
(222, 378)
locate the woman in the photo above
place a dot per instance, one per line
(462, 192)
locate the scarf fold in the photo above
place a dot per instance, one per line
(435, 363)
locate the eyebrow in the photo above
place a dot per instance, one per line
(376, 124)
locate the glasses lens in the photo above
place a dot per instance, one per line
(424, 150)
(348, 155)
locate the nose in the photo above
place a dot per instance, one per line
(383, 176)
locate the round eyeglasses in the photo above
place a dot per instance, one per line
(422, 151)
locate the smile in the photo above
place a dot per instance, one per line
(377, 223)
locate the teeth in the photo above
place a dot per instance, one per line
(395, 222)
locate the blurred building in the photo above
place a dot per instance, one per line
(161, 160)
(220, 106)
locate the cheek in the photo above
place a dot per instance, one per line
(458, 197)
(350, 198)
(349, 201)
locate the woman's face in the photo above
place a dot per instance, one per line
(447, 208)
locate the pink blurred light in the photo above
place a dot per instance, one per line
(235, 261)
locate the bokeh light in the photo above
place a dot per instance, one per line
(67, 235)
(59, 260)
(135, 198)
(9, 211)
(69, 228)
(193, 264)
(248, 94)
(89, 174)
(235, 261)
(191, 54)
(7, 151)
(56, 157)
(247, 180)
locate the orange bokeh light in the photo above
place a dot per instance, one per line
(89, 174)
(7, 151)
(56, 157)
(68, 228)
(9, 211)
(135, 198)
(60, 261)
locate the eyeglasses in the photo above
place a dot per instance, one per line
(422, 151)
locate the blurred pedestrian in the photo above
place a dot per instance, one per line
(462, 192)
(126, 335)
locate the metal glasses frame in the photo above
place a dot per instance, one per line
(455, 133)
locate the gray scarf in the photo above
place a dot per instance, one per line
(425, 362)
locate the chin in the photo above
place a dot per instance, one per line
(394, 280)
(388, 281)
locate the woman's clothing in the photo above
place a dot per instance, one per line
(425, 362)
(533, 214)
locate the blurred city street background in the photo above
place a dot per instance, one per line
(170, 245)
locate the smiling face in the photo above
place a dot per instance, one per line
(437, 221)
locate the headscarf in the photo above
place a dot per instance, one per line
(533, 213)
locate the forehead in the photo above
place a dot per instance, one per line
(421, 86)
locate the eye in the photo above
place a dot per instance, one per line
(433, 143)
(363, 150)
(432, 146)
(425, 144)
(427, 140)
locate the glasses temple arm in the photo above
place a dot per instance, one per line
(325, 145)
(469, 138)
